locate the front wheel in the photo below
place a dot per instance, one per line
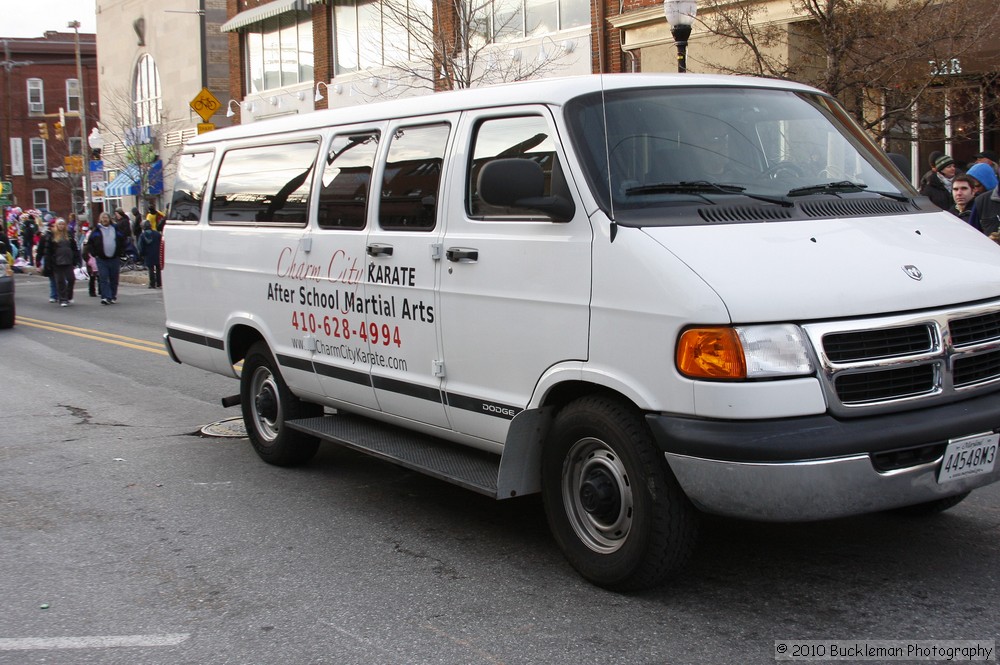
(267, 406)
(612, 503)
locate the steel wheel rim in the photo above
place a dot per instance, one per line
(261, 383)
(603, 530)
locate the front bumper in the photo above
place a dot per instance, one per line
(819, 467)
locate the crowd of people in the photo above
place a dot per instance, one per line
(970, 194)
(66, 250)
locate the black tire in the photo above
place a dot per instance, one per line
(612, 503)
(267, 404)
(931, 507)
(7, 318)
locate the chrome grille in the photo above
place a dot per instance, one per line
(898, 362)
(880, 385)
(872, 344)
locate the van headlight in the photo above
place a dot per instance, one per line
(744, 352)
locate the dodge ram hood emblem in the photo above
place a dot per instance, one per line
(913, 272)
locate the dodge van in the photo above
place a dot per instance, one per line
(646, 297)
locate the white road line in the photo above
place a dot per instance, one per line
(91, 642)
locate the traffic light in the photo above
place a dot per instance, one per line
(43, 130)
(59, 131)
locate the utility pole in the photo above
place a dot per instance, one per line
(83, 126)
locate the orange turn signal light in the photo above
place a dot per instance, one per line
(711, 353)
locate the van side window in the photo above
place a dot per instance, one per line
(409, 193)
(347, 174)
(189, 187)
(264, 185)
(527, 137)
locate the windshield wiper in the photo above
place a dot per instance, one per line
(845, 186)
(701, 187)
(892, 195)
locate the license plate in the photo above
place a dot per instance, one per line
(969, 456)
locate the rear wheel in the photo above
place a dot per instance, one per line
(267, 406)
(612, 503)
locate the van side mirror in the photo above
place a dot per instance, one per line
(520, 183)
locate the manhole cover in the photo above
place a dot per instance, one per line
(230, 427)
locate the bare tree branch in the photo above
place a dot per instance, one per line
(881, 58)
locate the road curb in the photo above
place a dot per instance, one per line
(129, 277)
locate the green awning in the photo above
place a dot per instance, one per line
(258, 14)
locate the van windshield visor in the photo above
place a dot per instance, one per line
(651, 153)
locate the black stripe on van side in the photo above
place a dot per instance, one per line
(195, 338)
(408, 389)
(464, 402)
(483, 407)
(295, 363)
(353, 376)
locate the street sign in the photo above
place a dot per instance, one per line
(205, 104)
(205, 127)
(6, 189)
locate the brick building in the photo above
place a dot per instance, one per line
(38, 77)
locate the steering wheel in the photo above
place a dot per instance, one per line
(784, 167)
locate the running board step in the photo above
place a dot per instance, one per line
(460, 465)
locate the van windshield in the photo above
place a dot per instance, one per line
(650, 153)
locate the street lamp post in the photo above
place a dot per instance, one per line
(85, 176)
(680, 15)
(96, 143)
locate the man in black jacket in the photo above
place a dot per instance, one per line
(986, 212)
(107, 244)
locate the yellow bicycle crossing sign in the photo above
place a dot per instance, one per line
(205, 104)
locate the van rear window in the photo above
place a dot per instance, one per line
(264, 185)
(189, 187)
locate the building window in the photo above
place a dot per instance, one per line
(40, 198)
(279, 51)
(147, 98)
(39, 165)
(516, 19)
(75, 144)
(36, 96)
(73, 95)
(370, 34)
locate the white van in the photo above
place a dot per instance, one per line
(645, 296)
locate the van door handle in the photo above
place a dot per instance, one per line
(462, 254)
(379, 250)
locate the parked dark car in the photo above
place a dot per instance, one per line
(6, 297)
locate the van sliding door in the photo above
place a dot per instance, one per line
(400, 307)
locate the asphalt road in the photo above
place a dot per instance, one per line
(125, 537)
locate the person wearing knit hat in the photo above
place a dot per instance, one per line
(937, 186)
(984, 175)
(991, 159)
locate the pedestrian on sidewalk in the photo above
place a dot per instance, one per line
(149, 251)
(107, 245)
(62, 254)
(43, 264)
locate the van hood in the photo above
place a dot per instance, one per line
(818, 269)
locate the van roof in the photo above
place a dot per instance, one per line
(553, 91)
